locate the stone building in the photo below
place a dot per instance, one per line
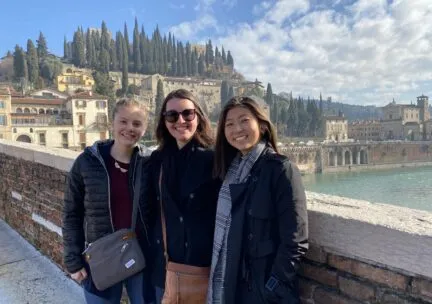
(335, 128)
(5, 110)
(406, 121)
(53, 119)
(71, 80)
(365, 130)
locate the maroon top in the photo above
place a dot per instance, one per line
(121, 200)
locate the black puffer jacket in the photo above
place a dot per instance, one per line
(87, 211)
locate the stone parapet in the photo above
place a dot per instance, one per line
(360, 252)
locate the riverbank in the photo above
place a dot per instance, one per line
(370, 167)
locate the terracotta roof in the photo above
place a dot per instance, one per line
(37, 101)
(335, 118)
(87, 95)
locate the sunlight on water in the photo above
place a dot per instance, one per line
(408, 187)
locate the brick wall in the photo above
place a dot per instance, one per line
(360, 252)
(334, 278)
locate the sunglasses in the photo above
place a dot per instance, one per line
(173, 116)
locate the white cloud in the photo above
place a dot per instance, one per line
(261, 7)
(368, 53)
(176, 6)
(229, 3)
(188, 30)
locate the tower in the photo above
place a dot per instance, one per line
(423, 105)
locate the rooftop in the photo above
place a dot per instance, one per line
(37, 101)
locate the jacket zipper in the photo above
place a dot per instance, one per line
(109, 189)
(139, 208)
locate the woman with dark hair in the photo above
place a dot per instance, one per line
(182, 186)
(261, 223)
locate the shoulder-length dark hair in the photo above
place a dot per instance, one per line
(224, 152)
(203, 134)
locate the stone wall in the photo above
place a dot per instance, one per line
(360, 252)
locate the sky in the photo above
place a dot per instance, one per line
(365, 52)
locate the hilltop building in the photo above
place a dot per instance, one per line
(72, 80)
(406, 121)
(53, 119)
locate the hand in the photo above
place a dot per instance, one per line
(80, 275)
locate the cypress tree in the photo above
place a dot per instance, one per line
(209, 53)
(136, 48)
(159, 97)
(126, 39)
(65, 49)
(188, 59)
(224, 57)
(201, 65)
(32, 62)
(20, 64)
(78, 50)
(224, 92)
(230, 60)
(230, 93)
(119, 49)
(125, 69)
(269, 95)
(90, 50)
(194, 64)
(143, 51)
(113, 56)
(42, 48)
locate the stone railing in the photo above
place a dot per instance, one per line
(360, 252)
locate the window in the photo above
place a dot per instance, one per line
(80, 103)
(81, 119)
(2, 104)
(65, 140)
(31, 130)
(3, 120)
(14, 130)
(101, 118)
(82, 137)
(101, 104)
(42, 139)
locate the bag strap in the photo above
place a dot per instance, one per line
(137, 191)
(163, 222)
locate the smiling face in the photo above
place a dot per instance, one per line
(182, 130)
(242, 129)
(129, 125)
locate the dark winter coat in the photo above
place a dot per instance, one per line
(87, 208)
(190, 227)
(268, 233)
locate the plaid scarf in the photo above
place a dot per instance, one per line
(238, 172)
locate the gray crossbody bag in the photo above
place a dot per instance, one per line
(117, 256)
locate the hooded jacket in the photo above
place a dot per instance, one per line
(87, 206)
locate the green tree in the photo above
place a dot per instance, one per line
(114, 66)
(119, 49)
(224, 92)
(209, 55)
(159, 97)
(230, 60)
(42, 47)
(224, 57)
(125, 69)
(136, 48)
(201, 65)
(32, 62)
(90, 50)
(230, 93)
(20, 64)
(65, 49)
(103, 84)
(50, 69)
(78, 54)
(126, 39)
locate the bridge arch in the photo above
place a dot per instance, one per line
(24, 138)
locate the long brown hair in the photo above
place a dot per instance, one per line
(203, 134)
(224, 152)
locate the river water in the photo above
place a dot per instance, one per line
(408, 187)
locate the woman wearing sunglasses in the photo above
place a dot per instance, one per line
(181, 182)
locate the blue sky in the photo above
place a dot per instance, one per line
(357, 51)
